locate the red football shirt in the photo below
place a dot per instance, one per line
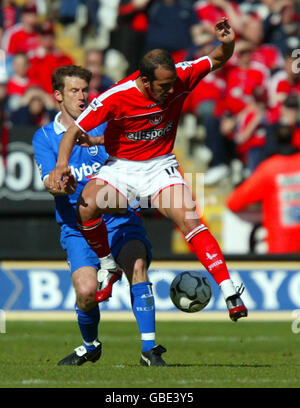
(209, 12)
(137, 127)
(16, 39)
(240, 84)
(279, 88)
(42, 67)
(257, 137)
(18, 86)
(275, 183)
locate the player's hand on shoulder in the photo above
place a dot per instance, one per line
(85, 140)
(224, 31)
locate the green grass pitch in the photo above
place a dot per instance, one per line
(200, 355)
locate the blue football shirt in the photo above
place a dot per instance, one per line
(84, 162)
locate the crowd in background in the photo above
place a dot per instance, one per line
(234, 110)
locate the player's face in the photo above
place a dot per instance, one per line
(163, 85)
(75, 96)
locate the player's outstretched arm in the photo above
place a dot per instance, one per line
(66, 146)
(224, 51)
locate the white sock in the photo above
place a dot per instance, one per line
(227, 288)
(108, 262)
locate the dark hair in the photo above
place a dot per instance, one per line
(59, 75)
(291, 101)
(283, 133)
(154, 59)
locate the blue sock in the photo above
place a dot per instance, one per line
(144, 311)
(88, 325)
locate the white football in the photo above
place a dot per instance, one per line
(190, 291)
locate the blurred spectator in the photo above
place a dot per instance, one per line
(82, 18)
(90, 28)
(276, 185)
(129, 36)
(19, 82)
(260, 8)
(211, 88)
(67, 11)
(266, 55)
(210, 11)
(23, 36)
(283, 83)
(3, 90)
(247, 129)
(251, 28)
(169, 27)
(282, 25)
(253, 16)
(4, 115)
(243, 78)
(247, 20)
(204, 103)
(46, 58)
(288, 115)
(38, 109)
(9, 15)
(94, 62)
(269, 57)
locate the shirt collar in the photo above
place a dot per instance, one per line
(58, 127)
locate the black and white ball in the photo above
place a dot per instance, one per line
(190, 291)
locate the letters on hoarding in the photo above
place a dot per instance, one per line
(46, 288)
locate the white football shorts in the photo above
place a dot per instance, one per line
(138, 180)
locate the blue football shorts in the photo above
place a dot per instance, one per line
(80, 254)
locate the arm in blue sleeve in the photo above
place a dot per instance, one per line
(44, 154)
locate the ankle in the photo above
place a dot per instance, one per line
(227, 289)
(107, 262)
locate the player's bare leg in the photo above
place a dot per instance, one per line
(132, 258)
(177, 204)
(88, 317)
(85, 285)
(98, 198)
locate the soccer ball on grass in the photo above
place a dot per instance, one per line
(190, 291)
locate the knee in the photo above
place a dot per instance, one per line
(85, 296)
(86, 207)
(187, 224)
